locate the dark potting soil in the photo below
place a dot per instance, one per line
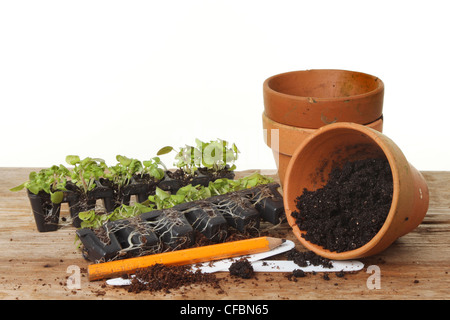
(242, 268)
(161, 277)
(350, 209)
(180, 175)
(213, 175)
(219, 174)
(303, 259)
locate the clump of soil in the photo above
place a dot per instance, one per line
(180, 175)
(160, 277)
(350, 209)
(298, 273)
(302, 258)
(213, 175)
(242, 268)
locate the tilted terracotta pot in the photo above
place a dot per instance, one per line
(332, 145)
(289, 138)
(313, 98)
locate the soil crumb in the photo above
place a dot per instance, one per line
(350, 209)
(242, 268)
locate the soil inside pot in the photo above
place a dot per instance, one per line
(350, 209)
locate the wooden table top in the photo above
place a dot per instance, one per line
(36, 265)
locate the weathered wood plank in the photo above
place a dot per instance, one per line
(34, 265)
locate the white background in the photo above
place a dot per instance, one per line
(100, 78)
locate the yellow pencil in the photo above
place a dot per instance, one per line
(181, 257)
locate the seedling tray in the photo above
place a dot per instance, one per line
(47, 214)
(135, 238)
(269, 202)
(238, 211)
(96, 250)
(174, 228)
(206, 218)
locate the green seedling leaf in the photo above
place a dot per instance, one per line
(157, 173)
(124, 160)
(72, 160)
(235, 148)
(86, 215)
(18, 188)
(34, 188)
(164, 150)
(57, 197)
(161, 194)
(177, 198)
(147, 163)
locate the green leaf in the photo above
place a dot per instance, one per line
(177, 198)
(34, 188)
(72, 160)
(32, 175)
(86, 215)
(57, 197)
(164, 150)
(235, 148)
(161, 194)
(157, 173)
(18, 188)
(147, 163)
(123, 160)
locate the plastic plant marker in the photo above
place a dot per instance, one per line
(289, 266)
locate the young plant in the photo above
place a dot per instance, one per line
(86, 171)
(187, 158)
(165, 200)
(50, 180)
(216, 155)
(194, 193)
(223, 186)
(94, 220)
(253, 180)
(121, 173)
(152, 168)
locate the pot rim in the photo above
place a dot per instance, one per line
(374, 136)
(311, 130)
(269, 124)
(268, 89)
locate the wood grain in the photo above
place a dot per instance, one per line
(35, 265)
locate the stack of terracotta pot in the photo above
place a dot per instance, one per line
(318, 119)
(298, 103)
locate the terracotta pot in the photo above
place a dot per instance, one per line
(332, 145)
(290, 138)
(313, 98)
